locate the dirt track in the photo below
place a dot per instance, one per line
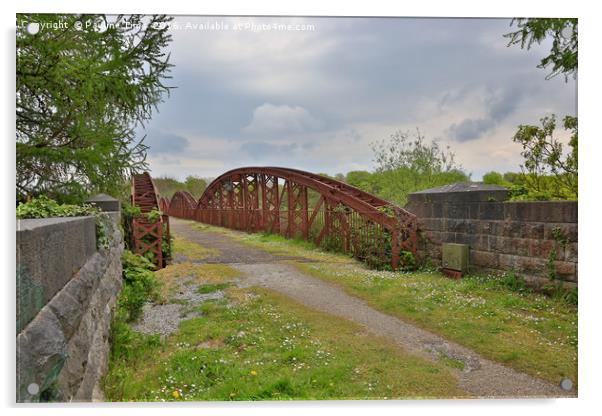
(480, 377)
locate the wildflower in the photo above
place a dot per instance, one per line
(253, 373)
(175, 394)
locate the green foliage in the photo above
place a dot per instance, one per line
(559, 241)
(44, 207)
(563, 56)
(407, 163)
(128, 213)
(154, 215)
(167, 186)
(212, 287)
(139, 286)
(81, 95)
(195, 185)
(571, 296)
(556, 290)
(412, 152)
(129, 345)
(166, 245)
(513, 282)
(407, 261)
(548, 173)
(495, 178)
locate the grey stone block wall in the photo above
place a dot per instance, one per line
(502, 235)
(70, 288)
(49, 253)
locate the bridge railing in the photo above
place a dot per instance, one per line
(297, 204)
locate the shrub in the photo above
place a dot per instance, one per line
(139, 285)
(44, 207)
(513, 282)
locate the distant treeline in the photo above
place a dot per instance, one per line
(394, 185)
(168, 186)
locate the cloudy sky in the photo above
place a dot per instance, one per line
(315, 99)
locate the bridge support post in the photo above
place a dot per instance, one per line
(298, 217)
(270, 204)
(395, 248)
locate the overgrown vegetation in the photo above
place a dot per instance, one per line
(128, 214)
(139, 286)
(44, 207)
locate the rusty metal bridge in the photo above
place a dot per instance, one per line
(294, 204)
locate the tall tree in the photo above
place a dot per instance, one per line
(84, 84)
(195, 185)
(407, 163)
(547, 171)
(563, 56)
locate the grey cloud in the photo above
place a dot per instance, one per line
(263, 150)
(500, 105)
(470, 129)
(269, 120)
(166, 143)
(375, 73)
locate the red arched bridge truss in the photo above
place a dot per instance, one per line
(150, 227)
(298, 204)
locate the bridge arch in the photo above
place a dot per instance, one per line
(299, 204)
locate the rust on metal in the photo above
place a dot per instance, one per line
(298, 204)
(147, 234)
(454, 274)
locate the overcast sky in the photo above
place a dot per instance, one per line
(315, 99)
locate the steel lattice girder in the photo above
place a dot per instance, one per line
(147, 235)
(253, 198)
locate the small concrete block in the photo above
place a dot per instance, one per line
(105, 203)
(455, 256)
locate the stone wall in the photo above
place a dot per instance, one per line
(502, 235)
(66, 291)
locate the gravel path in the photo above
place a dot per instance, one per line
(480, 377)
(164, 319)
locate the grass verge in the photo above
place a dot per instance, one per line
(258, 345)
(527, 331)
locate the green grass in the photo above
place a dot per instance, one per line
(209, 288)
(277, 244)
(195, 273)
(530, 332)
(191, 250)
(527, 331)
(258, 345)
